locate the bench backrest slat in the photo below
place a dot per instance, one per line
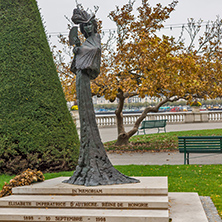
(201, 146)
(153, 123)
(200, 143)
(200, 137)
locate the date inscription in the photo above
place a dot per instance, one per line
(68, 219)
(57, 218)
(63, 218)
(28, 218)
(100, 219)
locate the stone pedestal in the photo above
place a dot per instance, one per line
(196, 117)
(147, 201)
(53, 200)
(147, 186)
(75, 117)
(195, 109)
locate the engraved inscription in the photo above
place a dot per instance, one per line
(48, 218)
(119, 204)
(100, 219)
(138, 205)
(83, 204)
(28, 218)
(68, 219)
(19, 203)
(87, 191)
(108, 204)
(50, 204)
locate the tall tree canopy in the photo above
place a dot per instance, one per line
(144, 62)
(36, 129)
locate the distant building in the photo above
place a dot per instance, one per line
(102, 100)
(135, 99)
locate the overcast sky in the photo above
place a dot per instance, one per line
(53, 12)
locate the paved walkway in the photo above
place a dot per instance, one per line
(166, 158)
(172, 158)
(109, 134)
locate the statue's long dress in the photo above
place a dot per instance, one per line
(94, 167)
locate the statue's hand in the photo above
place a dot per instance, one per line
(77, 41)
(75, 49)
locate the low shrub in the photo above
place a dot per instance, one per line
(25, 178)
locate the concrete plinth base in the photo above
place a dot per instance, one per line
(147, 186)
(147, 201)
(186, 207)
(90, 202)
(83, 215)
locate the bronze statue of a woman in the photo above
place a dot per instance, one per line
(94, 167)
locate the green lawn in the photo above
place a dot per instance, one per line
(204, 179)
(158, 141)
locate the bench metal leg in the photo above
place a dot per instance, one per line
(164, 129)
(186, 158)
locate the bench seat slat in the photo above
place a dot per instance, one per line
(199, 148)
(202, 150)
(200, 140)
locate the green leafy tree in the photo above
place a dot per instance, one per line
(36, 129)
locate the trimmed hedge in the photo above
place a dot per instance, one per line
(36, 128)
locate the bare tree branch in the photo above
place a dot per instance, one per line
(148, 110)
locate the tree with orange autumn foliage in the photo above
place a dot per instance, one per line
(145, 63)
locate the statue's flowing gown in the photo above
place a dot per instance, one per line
(94, 167)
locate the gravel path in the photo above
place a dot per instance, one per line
(210, 209)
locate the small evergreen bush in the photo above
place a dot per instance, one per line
(36, 128)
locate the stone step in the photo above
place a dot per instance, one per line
(186, 207)
(83, 215)
(183, 207)
(147, 186)
(99, 202)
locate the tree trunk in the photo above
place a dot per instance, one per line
(123, 136)
(94, 167)
(123, 139)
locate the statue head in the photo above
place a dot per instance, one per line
(89, 28)
(87, 22)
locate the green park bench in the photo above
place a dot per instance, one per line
(199, 144)
(150, 124)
